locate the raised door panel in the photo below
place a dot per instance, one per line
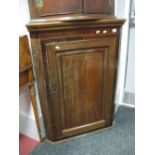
(97, 6)
(79, 73)
(81, 77)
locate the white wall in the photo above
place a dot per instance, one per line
(130, 74)
(24, 16)
(129, 88)
(27, 125)
(25, 106)
(125, 83)
(122, 8)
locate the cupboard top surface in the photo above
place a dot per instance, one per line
(55, 24)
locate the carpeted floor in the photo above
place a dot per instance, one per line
(117, 141)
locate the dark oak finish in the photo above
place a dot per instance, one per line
(26, 76)
(61, 7)
(46, 8)
(40, 8)
(97, 6)
(75, 59)
(78, 83)
(79, 69)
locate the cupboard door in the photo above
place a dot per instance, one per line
(81, 76)
(97, 6)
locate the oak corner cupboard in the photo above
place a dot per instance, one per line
(75, 47)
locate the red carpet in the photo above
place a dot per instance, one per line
(26, 145)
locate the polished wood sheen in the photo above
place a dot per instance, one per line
(47, 8)
(75, 60)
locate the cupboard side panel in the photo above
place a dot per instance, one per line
(40, 78)
(111, 82)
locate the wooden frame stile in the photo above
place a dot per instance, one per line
(39, 76)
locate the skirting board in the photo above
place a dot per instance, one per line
(129, 98)
(27, 126)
